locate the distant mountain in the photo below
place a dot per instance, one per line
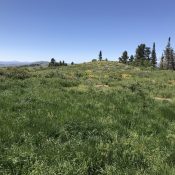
(41, 62)
(18, 63)
(12, 63)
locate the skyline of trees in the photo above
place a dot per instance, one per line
(145, 56)
(53, 63)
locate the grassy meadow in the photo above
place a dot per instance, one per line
(101, 118)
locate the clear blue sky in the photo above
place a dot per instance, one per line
(75, 30)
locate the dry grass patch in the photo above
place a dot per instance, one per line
(163, 99)
(102, 86)
(172, 82)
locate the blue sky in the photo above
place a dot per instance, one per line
(75, 30)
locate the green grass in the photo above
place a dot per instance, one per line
(89, 119)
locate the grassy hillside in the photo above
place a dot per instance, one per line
(89, 119)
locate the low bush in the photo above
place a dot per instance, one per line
(15, 73)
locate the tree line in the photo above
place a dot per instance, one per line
(145, 56)
(53, 63)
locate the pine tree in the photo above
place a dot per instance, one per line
(162, 62)
(94, 60)
(140, 56)
(100, 56)
(52, 62)
(124, 58)
(147, 57)
(131, 59)
(147, 54)
(169, 62)
(153, 56)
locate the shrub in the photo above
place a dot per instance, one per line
(69, 83)
(15, 73)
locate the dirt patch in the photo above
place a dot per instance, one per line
(80, 88)
(163, 99)
(102, 86)
(125, 76)
(172, 82)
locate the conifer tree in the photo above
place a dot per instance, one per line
(124, 58)
(169, 61)
(94, 60)
(162, 62)
(147, 57)
(147, 54)
(140, 56)
(153, 56)
(131, 59)
(52, 62)
(100, 56)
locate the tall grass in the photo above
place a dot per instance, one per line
(87, 119)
